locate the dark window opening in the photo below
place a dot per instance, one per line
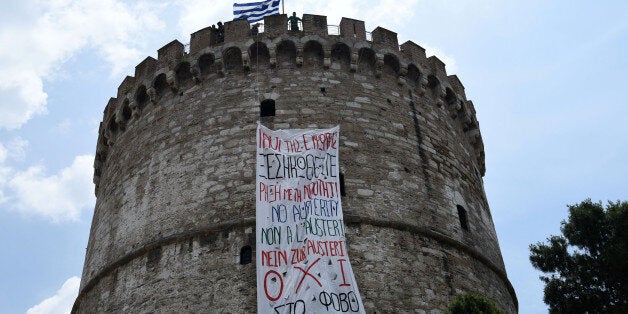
(414, 75)
(313, 53)
(160, 84)
(340, 56)
(246, 255)
(233, 59)
(461, 108)
(103, 139)
(205, 63)
(113, 126)
(432, 81)
(366, 60)
(126, 111)
(342, 185)
(259, 55)
(183, 73)
(141, 97)
(462, 215)
(267, 108)
(286, 54)
(391, 65)
(450, 97)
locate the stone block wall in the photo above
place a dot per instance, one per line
(175, 173)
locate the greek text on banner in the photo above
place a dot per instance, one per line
(301, 253)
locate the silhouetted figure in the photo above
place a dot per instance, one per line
(221, 32)
(255, 29)
(294, 22)
(214, 35)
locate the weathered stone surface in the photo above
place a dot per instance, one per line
(176, 186)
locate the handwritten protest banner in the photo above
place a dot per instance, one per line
(302, 261)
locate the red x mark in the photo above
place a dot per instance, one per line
(306, 273)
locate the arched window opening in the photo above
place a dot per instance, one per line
(391, 65)
(462, 216)
(342, 184)
(205, 63)
(313, 54)
(113, 126)
(340, 56)
(461, 109)
(141, 97)
(260, 56)
(450, 97)
(184, 75)
(126, 111)
(97, 172)
(246, 255)
(286, 54)
(233, 59)
(102, 157)
(267, 108)
(366, 61)
(414, 75)
(160, 84)
(432, 81)
(103, 139)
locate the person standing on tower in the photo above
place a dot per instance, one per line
(221, 32)
(255, 29)
(294, 22)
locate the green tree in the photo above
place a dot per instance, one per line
(586, 269)
(471, 303)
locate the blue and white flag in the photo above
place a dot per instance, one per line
(255, 11)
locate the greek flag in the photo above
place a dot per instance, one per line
(255, 11)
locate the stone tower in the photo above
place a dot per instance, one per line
(174, 224)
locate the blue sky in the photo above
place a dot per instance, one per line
(548, 80)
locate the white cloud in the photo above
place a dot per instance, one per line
(5, 172)
(3, 153)
(58, 197)
(64, 126)
(47, 33)
(198, 14)
(16, 148)
(390, 13)
(61, 302)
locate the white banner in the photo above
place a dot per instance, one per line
(302, 261)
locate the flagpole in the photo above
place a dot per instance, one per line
(283, 9)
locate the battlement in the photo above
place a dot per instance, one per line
(213, 56)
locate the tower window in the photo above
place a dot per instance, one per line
(113, 126)
(126, 111)
(246, 255)
(462, 215)
(432, 81)
(342, 184)
(267, 108)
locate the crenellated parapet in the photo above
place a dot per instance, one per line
(241, 52)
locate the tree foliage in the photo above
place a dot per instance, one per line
(471, 303)
(586, 269)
